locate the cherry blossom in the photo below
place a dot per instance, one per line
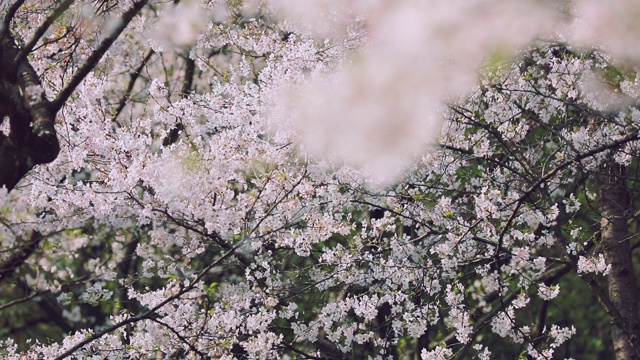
(373, 179)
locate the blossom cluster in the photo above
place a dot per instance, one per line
(251, 185)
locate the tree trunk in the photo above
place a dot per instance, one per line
(32, 139)
(623, 291)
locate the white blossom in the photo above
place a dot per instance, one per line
(593, 264)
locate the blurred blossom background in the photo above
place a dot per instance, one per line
(180, 25)
(383, 105)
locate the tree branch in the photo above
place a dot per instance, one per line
(9, 16)
(610, 308)
(518, 203)
(55, 14)
(96, 56)
(148, 313)
(20, 256)
(134, 76)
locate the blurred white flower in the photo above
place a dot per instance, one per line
(180, 25)
(612, 24)
(325, 18)
(386, 105)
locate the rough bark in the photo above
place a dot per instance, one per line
(623, 290)
(32, 139)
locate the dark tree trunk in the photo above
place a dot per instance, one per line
(623, 291)
(32, 139)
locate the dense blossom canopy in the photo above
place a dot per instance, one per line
(362, 179)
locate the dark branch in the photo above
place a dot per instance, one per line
(20, 256)
(96, 56)
(42, 29)
(9, 16)
(134, 76)
(148, 313)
